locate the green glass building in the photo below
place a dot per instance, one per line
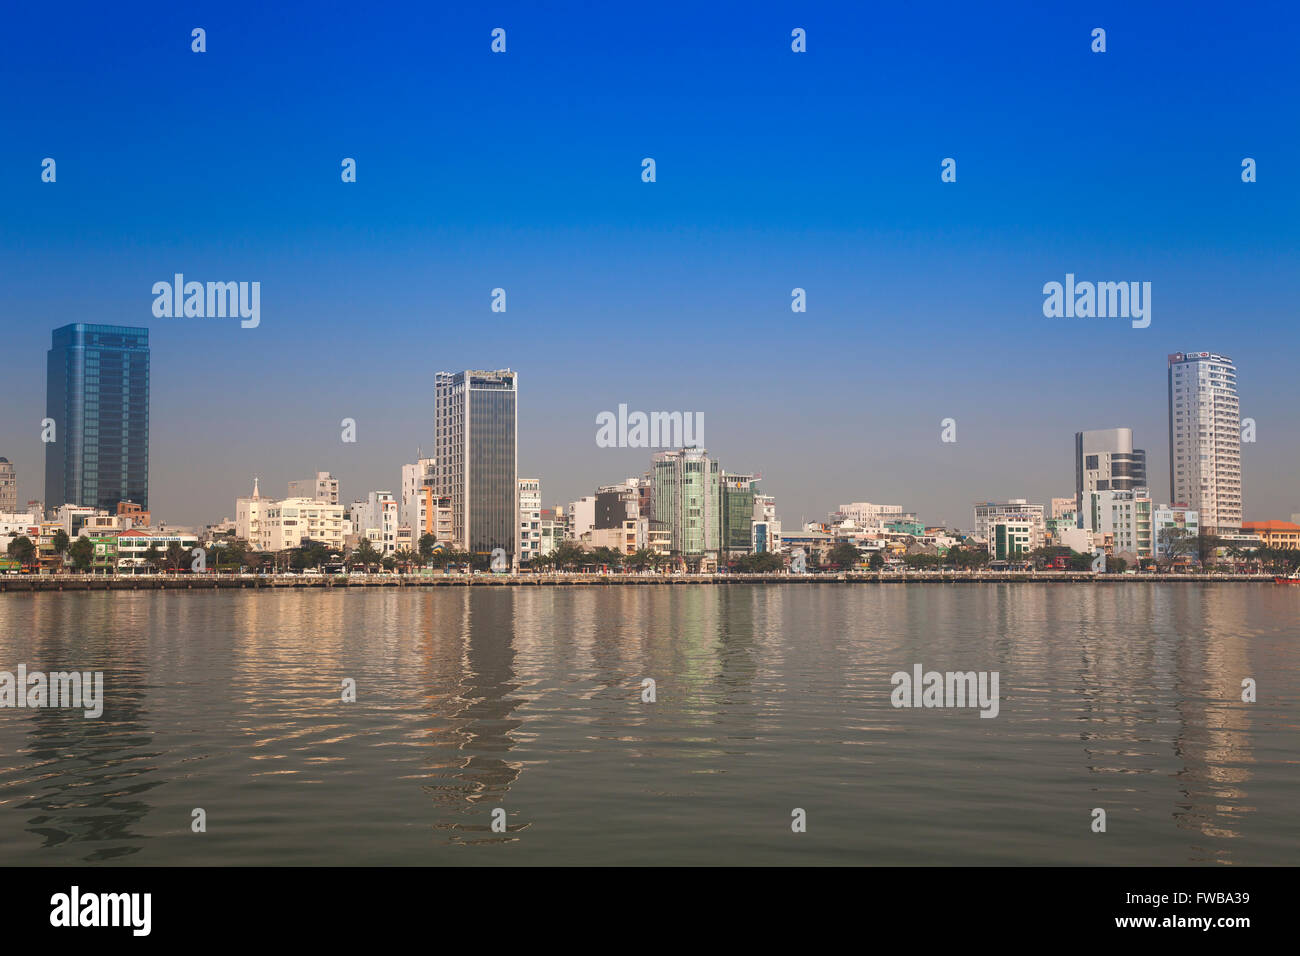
(686, 500)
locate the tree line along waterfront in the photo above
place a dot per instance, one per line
(1185, 554)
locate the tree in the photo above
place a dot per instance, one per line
(176, 555)
(364, 554)
(1079, 561)
(153, 556)
(405, 558)
(61, 542)
(972, 557)
(640, 559)
(309, 554)
(1172, 544)
(606, 556)
(238, 551)
(568, 555)
(844, 555)
(426, 544)
(763, 562)
(1207, 547)
(388, 562)
(875, 561)
(22, 550)
(82, 553)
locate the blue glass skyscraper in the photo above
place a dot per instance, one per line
(97, 393)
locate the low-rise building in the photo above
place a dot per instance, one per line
(132, 547)
(1011, 537)
(1170, 521)
(986, 512)
(287, 524)
(324, 488)
(377, 519)
(1122, 517)
(1274, 534)
(530, 519)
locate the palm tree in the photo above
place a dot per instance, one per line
(364, 554)
(639, 559)
(568, 554)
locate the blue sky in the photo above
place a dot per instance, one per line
(775, 170)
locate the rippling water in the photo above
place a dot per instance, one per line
(769, 698)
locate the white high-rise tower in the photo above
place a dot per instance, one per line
(1205, 438)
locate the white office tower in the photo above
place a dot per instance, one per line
(1205, 438)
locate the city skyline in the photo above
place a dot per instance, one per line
(821, 172)
(1117, 444)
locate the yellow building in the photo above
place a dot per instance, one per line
(1274, 534)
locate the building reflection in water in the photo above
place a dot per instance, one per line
(84, 781)
(1214, 727)
(466, 646)
(1181, 656)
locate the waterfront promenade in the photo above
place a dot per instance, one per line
(184, 582)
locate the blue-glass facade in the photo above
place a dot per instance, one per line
(475, 419)
(97, 393)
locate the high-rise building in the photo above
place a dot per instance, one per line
(97, 394)
(687, 500)
(1205, 438)
(8, 488)
(475, 423)
(1104, 460)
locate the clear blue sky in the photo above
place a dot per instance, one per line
(775, 170)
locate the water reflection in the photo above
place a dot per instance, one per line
(529, 700)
